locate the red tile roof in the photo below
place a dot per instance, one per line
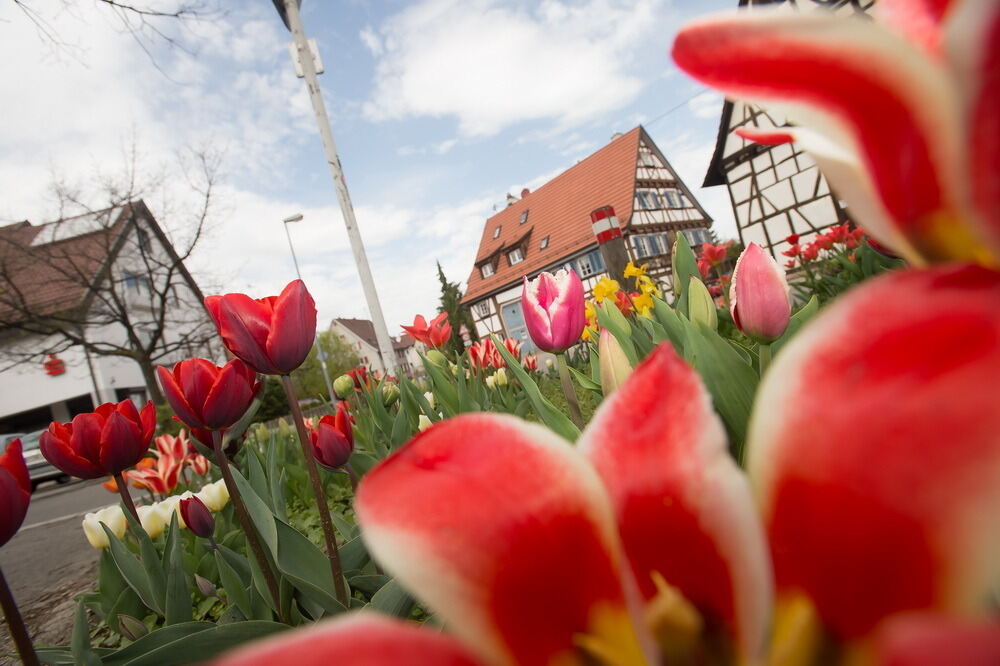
(559, 209)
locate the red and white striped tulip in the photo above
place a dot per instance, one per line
(758, 296)
(875, 452)
(900, 113)
(553, 307)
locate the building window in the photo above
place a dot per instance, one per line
(135, 282)
(545, 243)
(143, 238)
(589, 264)
(524, 217)
(646, 158)
(486, 270)
(483, 309)
(648, 200)
(646, 246)
(496, 232)
(674, 199)
(515, 256)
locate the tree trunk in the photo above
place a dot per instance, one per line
(152, 386)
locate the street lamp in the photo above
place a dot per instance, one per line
(306, 60)
(320, 354)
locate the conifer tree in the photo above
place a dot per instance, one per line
(451, 302)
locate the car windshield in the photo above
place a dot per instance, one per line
(30, 441)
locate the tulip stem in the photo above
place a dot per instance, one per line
(763, 357)
(569, 391)
(15, 624)
(332, 551)
(126, 495)
(253, 540)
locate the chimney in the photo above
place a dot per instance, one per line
(615, 135)
(525, 192)
(511, 199)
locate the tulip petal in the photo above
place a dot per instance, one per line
(244, 324)
(895, 101)
(914, 639)
(147, 422)
(175, 396)
(359, 639)
(229, 398)
(196, 378)
(478, 515)
(293, 327)
(118, 444)
(56, 448)
(874, 451)
(683, 507)
(12, 460)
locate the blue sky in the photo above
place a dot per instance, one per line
(439, 107)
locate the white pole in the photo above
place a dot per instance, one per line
(346, 209)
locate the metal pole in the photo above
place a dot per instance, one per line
(320, 354)
(346, 209)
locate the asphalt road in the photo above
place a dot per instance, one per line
(49, 560)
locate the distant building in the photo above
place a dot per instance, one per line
(360, 334)
(60, 270)
(550, 228)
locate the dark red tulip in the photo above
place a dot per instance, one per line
(101, 443)
(197, 517)
(204, 395)
(272, 335)
(333, 439)
(15, 491)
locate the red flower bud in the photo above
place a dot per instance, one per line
(272, 335)
(207, 396)
(101, 443)
(15, 491)
(333, 439)
(197, 516)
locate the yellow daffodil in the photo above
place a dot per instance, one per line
(637, 272)
(643, 304)
(606, 288)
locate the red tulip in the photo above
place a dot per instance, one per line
(272, 335)
(197, 517)
(175, 446)
(207, 396)
(100, 443)
(530, 362)
(360, 377)
(792, 239)
(15, 491)
(714, 254)
(332, 439)
(758, 299)
(435, 334)
(162, 478)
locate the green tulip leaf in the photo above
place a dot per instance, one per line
(132, 571)
(306, 567)
(178, 598)
(232, 585)
(259, 512)
(798, 320)
(196, 642)
(393, 600)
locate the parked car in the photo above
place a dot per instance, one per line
(39, 468)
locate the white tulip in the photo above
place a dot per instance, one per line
(423, 423)
(154, 519)
(491, 381)
(501, 376)
(111, 516)
(430, 399)
(214, 496)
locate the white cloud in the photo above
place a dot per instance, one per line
(493, 66)
(371, 40)
(706, 105)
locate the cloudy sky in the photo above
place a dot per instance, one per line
(439, 107)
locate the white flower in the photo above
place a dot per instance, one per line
(172, 504)
(215, 496)
(430, 399)
(491, 381)
(154, 519)
(423, 423)
(111, 516)
(501, 375)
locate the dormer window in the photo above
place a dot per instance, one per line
(545, 243)
(515, 256)
(486, 270)
(496, 232)
(524, 217)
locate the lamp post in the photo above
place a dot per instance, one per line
(320, 354)
(306, 67)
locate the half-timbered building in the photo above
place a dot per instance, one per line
(550, 228)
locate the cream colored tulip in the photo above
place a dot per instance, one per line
(491, 381)
(154, 519)
(501, 375)
(215, 496)
(423, 423)
(111, 516)
(429, 397)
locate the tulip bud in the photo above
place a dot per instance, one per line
(429, 397)
(758, 297)
(197, 517)
(343, 386)
(214, 495)
(111, 516)
(131, 628)
(153, 519)
(206, 587)
(454, 369)
(193, 388)
(390, 394)
(332, 439)
(614, 364)
(437, 358)
(553, 308)
(491, 382)
(701, 305)
(501, 375)
(423, 423)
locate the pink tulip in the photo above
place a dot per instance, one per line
(900, 113)
(554, 310)
(874, 447)
(758, 296)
